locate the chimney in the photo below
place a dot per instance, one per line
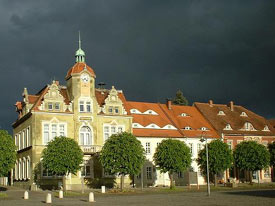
(211, 103)
(231, 105)
(169, 103)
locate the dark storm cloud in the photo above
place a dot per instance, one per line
(220, 50)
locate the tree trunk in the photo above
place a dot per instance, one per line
(215, 179)
(171, 180)
(64, 183)
(122, 182)
(250, 177)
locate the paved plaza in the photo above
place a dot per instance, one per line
(219, 198)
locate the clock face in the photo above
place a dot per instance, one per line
(85, 78)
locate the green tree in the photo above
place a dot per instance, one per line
(251, 156)
(220, 158)
(7, 153)
(180, 99)
(62, 156)
(271, 148)
(172, 156)
(122, 154)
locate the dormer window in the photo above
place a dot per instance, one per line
(151, 112)
(227, 127)
(116, 110)
(248, 126)
(135, 125)
(88, 106)
(110, 109)
(266, 128)
(221, 113)
(243, 114)
(204, 128)
(57, 106)
(187, 128)
(184, 115)
(50, 106)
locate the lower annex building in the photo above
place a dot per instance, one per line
(90, 115)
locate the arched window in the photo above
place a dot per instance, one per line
(85, 136)
(24, 169)
(16, 171)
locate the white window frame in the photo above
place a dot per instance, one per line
(148, 148)
(85, 103)
(107, 134)
(149, 173)
(87, 140)
(230, 144)
(50, 132)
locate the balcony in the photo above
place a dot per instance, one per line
(91, 149)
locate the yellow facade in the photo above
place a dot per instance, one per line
(77, 110)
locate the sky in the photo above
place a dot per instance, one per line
(219, 50)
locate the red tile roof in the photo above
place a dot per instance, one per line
(79, 67)
(169, 117)
(233, 118)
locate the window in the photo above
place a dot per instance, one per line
(184, 115)
(88, 106)
(51, 131)
(28, 169)
(267, 173)
(85, 136)
(50, 106)
(54, 130)
(81, 106)
(23, 139)
(62, 130)
(19, 170)
(46, 172)
(57, 106)
(86, 169)
(149, 173)
(106, 132)
(110, 110)
(243, 114)
(221, 113)
(119, 129)
(23, 169)
(111, 129)
(46, 134)
(180, 175)
(248, 126)
(230, 144)
(116, 110)
(204, 129)
(28, 138)
(191, 148)
(187, 128)
(147, 148)
(266, 128)
(227, 127)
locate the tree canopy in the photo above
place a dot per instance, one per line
(7, 153)
(271, 148)
(122, 154)
(172, 156)
(62, 156)
(220, 158)
(251, 156)
(180, 99)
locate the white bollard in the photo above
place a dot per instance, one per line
(102, 189)
(91, 197)
(60, 194)
(26, 195)
(49, 198)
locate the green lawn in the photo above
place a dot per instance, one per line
(3, 195)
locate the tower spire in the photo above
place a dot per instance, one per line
(79, 40)
(79, 54)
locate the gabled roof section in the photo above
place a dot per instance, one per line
(233, 117)
(102, 94)
(78, 68)
(195, 120)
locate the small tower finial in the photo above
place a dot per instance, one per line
(79, 54)
(79, 40)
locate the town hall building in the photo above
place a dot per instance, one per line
(90, 116)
